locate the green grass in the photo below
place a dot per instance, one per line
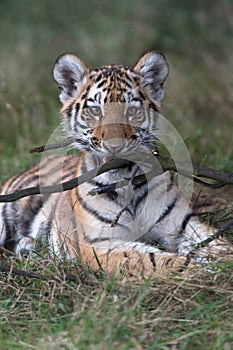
(177, 313)
(102, 313)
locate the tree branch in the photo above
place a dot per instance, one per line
(166, 163)
(64, 186)
(198, 171)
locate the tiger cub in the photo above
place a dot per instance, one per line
(141, 229)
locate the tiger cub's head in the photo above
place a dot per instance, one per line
(111, 110)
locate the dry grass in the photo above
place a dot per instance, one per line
(180, 312)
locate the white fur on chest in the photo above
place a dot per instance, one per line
(135, 221)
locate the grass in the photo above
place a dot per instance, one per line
(181, 312)
(103, 313)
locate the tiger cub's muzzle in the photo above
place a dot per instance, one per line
(114, 138)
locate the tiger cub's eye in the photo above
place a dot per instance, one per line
(132, 111)
(95, 111)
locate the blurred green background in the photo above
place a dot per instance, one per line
(195, 36)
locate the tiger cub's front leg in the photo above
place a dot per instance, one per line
(132, 259)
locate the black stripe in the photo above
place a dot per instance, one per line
(135, 99)
(112, 195)
(20, 178)
(141, 198)
(76, 124)
(83, 97)
(167, 211)
(170, 185)
(82, 142)
(32, 208)
(70, 172)
(86, 129)
(22, 220)
(123, 81)
(92, 211)
(11, 182)
(64, 165)
(130, 209)
(139, 185)
(153, 106)
(69, 111)
(51, 171)
(141, 95)
(77, 107)
(167, 262)
(51, 215)
(186, 221)
(152, 259)
(10, 242)
(101, 83)
(29, 176)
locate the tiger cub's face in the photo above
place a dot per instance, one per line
(111, 110)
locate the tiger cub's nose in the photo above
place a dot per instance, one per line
(113, 148)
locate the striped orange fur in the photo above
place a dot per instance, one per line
(109, 112)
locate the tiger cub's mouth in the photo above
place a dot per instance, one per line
(108, 158)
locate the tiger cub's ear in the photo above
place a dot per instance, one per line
(70, 74)
(153, 69)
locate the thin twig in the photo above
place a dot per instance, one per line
(64, 186)
(223, 178)
(130, 182)
(51, 146)
(68, 277)
(197, 171)
(204, 243)
(18, 272)
(165, 163)
(143, 178)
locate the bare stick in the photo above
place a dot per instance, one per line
(68, 277)
(165, 163)
(51, 146)
(130, 182)
(18, 272)
(64, 186)
(198, 171)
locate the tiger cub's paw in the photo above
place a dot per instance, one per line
(25, 246)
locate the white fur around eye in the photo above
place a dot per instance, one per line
(132, 111)
(95, 111)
